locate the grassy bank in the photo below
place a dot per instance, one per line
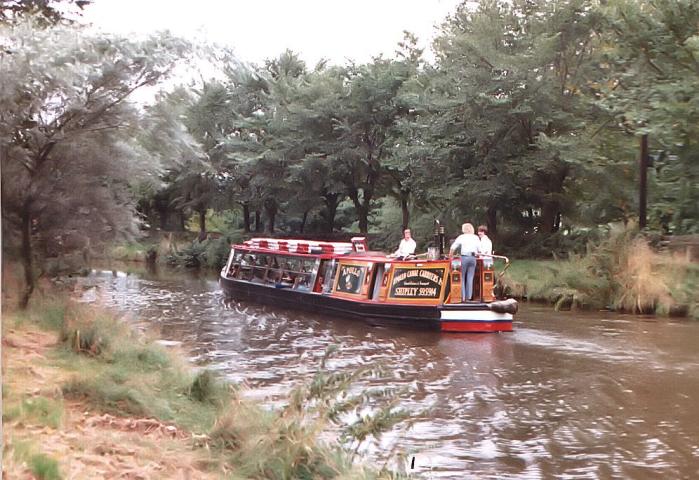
(622, 273)
(84, 393)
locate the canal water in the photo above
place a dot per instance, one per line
(566, 395)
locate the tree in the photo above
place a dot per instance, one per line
(65, 126)
(45, 12)
(651, 71)
(172, 147)
(366, 119)
(509, 92)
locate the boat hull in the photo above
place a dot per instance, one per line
(465, 318)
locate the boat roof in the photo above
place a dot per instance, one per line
(279, 245)
(324, 250)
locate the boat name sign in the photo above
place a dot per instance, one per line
(351, 278)
(417, 283)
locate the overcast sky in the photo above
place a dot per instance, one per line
(259, 29)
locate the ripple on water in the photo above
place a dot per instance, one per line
(561, 397)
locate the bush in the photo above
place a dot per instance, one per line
(621, 272)
(206, 388)
(287, 444)
(44, 467)
(210, 253)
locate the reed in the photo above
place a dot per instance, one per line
(288, 443)
(622, 272)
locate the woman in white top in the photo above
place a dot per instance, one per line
(486, 248)
(469, 245)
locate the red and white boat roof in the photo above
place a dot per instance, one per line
(301, 246)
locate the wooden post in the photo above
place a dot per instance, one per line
(643, 182)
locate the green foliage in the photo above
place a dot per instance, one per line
(90, 335)
(67, 131)
(620, 272)
(37, 410)
(131, 251)
(144, 383)
(44, 467)
(286, 444)
(41, 465)
(210, 253)
(207, 388)
(649, 85)
(48, 312)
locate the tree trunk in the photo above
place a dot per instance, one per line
(270, 222)
(548, 217)
(183, 220)
(557, 222)
(246, 216)
(202, 225)
(492, 222)
(26, 253)
(258, 221)
(643, 182)
(303, 220)
(362, 208)
(162, 217)
(271, 208)
(332, 201)
(404, 209)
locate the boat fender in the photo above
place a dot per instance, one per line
(505, 306)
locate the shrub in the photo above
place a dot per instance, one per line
(206, 388)
(44, 467)
(41, 410)
(621, 272)
(287, 444)
(210, 253)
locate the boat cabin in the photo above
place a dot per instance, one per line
(350, 271)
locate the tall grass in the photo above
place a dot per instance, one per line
(40, 410)
(118, 371)
(41, 465)
(287, 444)
(622, 272)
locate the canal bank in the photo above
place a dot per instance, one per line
(585, 393)
(87, 396)
(622, 273)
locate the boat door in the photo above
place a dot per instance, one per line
(379, 272)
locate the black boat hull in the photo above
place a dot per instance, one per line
(469, 317)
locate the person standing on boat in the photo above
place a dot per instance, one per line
(469, 245)
(406, 247)
(486, 248)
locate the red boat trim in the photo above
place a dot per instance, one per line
(476, 327)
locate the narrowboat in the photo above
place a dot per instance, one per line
(346, 279)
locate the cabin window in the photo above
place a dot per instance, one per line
(329, 272)
(247, 263)
(303, 274)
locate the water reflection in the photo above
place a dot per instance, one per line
(564, 396)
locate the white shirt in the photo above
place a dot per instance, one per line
(406, 247)
(470, 244)
(486, 247)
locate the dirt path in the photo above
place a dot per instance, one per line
(86, 444)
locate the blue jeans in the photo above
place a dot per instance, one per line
(468, 269)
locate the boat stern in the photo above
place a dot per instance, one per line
(478, 318)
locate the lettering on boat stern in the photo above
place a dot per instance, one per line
(417, 283)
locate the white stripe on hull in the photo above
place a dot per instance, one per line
(474, 315)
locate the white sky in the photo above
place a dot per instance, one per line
(259, 29)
